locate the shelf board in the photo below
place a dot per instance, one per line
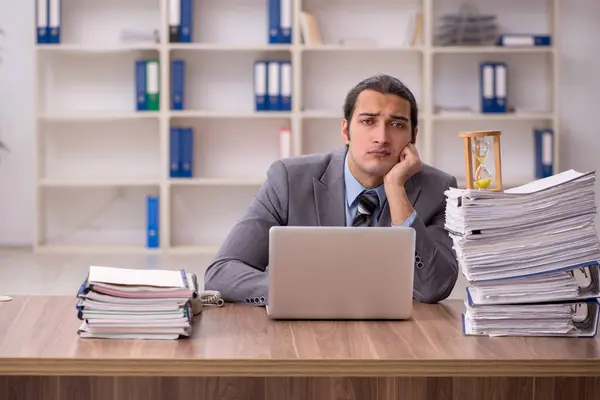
(198, 249)
(97, 48)
(58, 183)
(125, 249)
(492, 117)
(490, 49)
(229, 114)
(360, 48)
(91, 248)
(322, 114)
(98, 116)
(216, 181)
(228, 47)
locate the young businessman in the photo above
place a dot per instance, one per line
(377, 179)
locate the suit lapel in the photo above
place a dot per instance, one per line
(329, 193)
(413, 189)
(412, 192)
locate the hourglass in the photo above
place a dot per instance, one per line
(480, 150)
(476, 148)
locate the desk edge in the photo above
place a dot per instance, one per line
(364, 368)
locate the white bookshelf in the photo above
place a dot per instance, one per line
(97, 157)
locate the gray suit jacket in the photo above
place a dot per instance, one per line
(309, 191)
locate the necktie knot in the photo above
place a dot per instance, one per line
(367, 203)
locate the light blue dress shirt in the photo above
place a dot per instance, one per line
(354, 188)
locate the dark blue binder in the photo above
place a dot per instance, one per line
(273, 85)
(500, 87)
(140, 85)
(54, 21)
(285, 86)
(486, 86)
(153, 237)
(544, 153)
(187, 21)
(523, 40)
(285, 22)
(42, 16)
(174, 153)
(274, 21)
(493, 85)
(186, 145)
(177, 84)
(260, 85)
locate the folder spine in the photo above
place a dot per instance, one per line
(186, 153)
(174, 20)
(260, 85)
(187, 21)
(274, 21)
(544, 153)
(487, 87)
(174, 153)
(523, 40)
(152, 85)
(140, 85)
(285, 22)
(500, 87)
(285, 73)
(177, 84)
(152, 240)
(42, 16)
(285, 142)
(273, 85)
(54, 21)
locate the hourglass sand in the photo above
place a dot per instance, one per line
(480, 151)
(476, 148)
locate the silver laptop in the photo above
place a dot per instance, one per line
(341, 272)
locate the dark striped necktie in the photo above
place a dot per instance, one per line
(367, 203)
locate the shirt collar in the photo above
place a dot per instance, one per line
(354, 187)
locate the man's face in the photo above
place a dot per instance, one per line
(379, 129)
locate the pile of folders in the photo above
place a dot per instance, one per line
(119, 303)
(530, 255)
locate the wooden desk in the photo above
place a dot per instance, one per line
(236, 352)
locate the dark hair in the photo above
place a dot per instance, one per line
(385, 84)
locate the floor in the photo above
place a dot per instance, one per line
(24, 272)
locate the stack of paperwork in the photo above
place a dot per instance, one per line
(120, 303)
(530, 255)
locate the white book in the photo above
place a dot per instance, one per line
(137, 277)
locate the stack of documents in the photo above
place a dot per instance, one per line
(119, 303)
(530, 255)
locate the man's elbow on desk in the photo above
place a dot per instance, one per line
(213, 278)
(439, 286)
(434, 296)
(236, 281)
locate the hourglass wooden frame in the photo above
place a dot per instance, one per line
(470, 169)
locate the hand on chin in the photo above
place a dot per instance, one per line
(409, 164)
